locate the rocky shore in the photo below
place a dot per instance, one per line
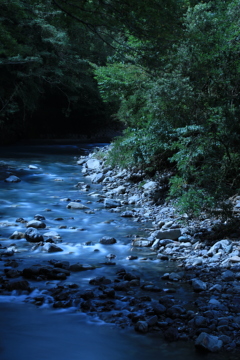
(207, 270)
(211, 268)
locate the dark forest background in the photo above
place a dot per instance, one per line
(168, 71)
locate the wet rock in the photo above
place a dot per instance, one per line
(36, 224)
(18, 285)
(39, 217)
(33, 235)
(159, 309)
(51, 248)
(111, 203)
(208, 342)
(77, 206)
(172, 234)
(141, 326)
(132, 257)
(12, 273)
(33, 167)
(107, 240)
(141, 242)
(199, 285)
(127, 213)
(17, 235)
(151, 287)
(225, 245)
(97, 178)
(228, 276)
(12, 179)
(81, 267)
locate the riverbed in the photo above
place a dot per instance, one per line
(49, 175)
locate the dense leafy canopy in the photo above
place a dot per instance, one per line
(169, 70)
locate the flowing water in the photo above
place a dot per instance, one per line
(29, 332)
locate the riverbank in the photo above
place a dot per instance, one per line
(211, 268)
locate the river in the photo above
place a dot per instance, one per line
(29, 332)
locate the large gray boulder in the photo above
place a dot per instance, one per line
(33, 235)
(208, 342)
(93, 164)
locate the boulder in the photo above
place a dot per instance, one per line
(224, 245)
(208, 342)
(107, 240)
(51, 248)
(172, 234)
(93, 164)
(199, 285)
(76, 205)
(97, 178)
(150, 185)
(141, 326)
(32, 235)
(17, 235)
(36, 224)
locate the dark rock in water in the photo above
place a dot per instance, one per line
(36, 224)
(39, 217)
(171, 334)
(31, 272)
(17, 235)
(18, 285)
(60, 264)
(141, 326)
(110, 203)
(12, 179)
(150, 287)
(81, 267)
(198, 285)
(159, 309)
(12, 263)
(100, 280)
(33, 235)
(127, 214)
(50, 248)
(88, 294)
(107, 240)
(12, 273)
(208, 342)
(132, 257)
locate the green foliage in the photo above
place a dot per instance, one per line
(184, 109)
